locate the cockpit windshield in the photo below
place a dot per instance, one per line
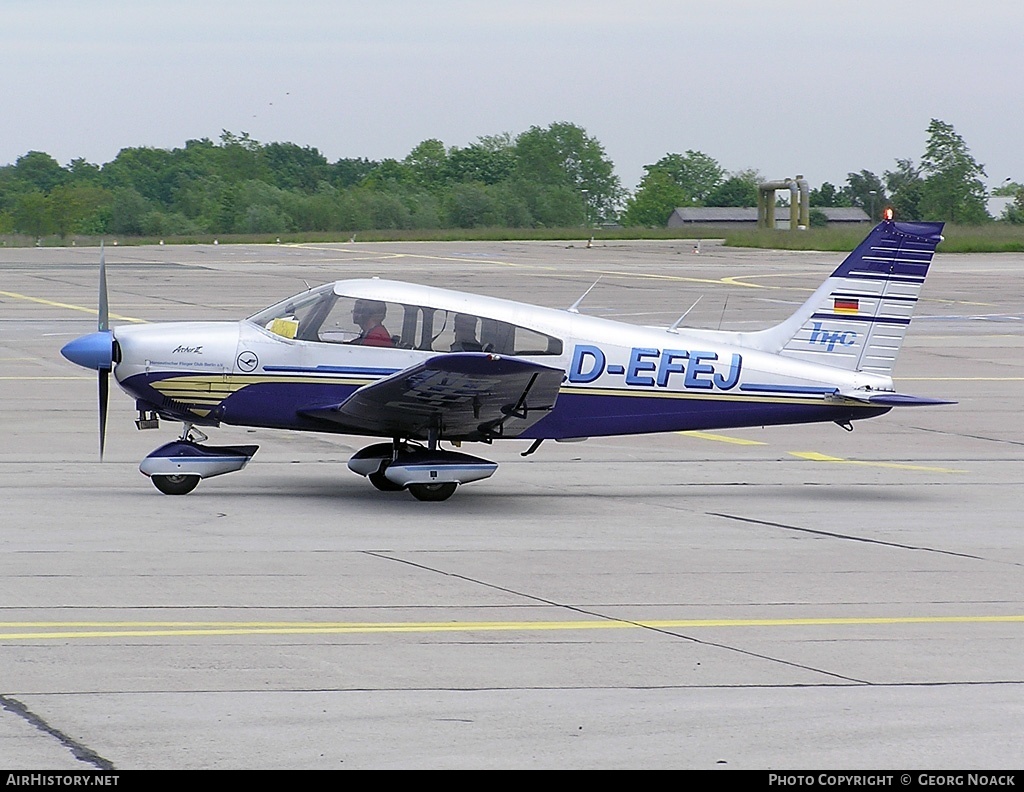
(322, 316)
(288, 317)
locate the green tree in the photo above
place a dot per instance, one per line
(565, 156)
(818, 219)
(428, 164)
(149, 172)
(128, 211)
(76, 208)
(1014, 213)
(200, 198)
(82, 172)
(388, 174)
(31, 214)
(905, 187)
(425, 210)
(655, 200)
(515, 212)
(548, 205)
(256, 207)
(262, 219)
(734, 191)
(828, 195)
(867, 191)
(478, 163)
(241, 158)
(387, 210)
(39, 170)
(160, 223)
(952, 188)
(10, 187)
(470, 205)
(697, 174)
(350, 172)
(295, 167)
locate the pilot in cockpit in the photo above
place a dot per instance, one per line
(465, 334)
(369, 315)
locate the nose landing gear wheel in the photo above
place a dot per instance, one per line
(433, 492)
(175, 485)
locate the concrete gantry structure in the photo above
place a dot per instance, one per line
(799, 203)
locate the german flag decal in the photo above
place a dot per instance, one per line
(846, 305)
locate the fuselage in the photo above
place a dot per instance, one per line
(274, 368)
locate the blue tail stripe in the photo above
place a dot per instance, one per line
(891, 249)
(851, 318)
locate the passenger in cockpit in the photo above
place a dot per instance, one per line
(465, 334)
(369, 315)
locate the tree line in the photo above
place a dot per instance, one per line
(944, 185)
(554, 176)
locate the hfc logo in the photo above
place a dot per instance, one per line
(830, 339)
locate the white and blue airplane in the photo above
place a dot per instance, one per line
(418, 365)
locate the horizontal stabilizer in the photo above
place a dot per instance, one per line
(889, 399)
(902, 400)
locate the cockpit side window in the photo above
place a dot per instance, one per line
(320, 315)
(530, 342)
(361, 321)
(455, 331)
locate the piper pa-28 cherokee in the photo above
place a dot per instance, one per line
(463, 368)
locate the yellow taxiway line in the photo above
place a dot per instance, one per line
(20, 631)
(814, 456)
(69, 306)
(721, 438)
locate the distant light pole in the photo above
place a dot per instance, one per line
(872, 193)
(586, 208)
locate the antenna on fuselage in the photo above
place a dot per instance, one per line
(675, 325)
(575, 307)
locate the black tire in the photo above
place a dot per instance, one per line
(175, 485)
(433, 492)
(383, 483)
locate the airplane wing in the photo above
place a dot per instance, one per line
(467, 395)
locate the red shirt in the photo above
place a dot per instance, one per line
(376, 336)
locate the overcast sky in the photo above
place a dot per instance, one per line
(812, 87)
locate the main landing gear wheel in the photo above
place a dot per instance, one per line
(175, 485)
(383, 483)
(433, 492)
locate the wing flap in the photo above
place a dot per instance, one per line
(467, 395)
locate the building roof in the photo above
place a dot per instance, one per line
(841, 214)
(727, 214)
(714, 214)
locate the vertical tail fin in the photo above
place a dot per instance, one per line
(856, 320)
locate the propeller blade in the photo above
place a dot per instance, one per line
(103, 313)
(104, 385)
(103, 326)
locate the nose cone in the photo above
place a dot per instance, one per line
(93, 351)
